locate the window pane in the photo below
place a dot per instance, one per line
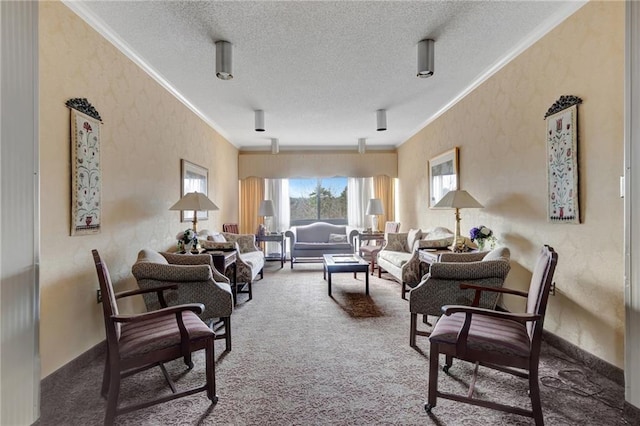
(318, 199)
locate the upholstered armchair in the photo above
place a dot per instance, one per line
(441, 286)
(196, 279)
(250, 261)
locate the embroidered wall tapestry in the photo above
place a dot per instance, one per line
(85, 163)
(562, 160)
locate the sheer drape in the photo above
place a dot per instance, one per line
(251, 193)
(384, 188)
(359, 192)
(277, 190)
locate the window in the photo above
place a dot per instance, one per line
(313, 200)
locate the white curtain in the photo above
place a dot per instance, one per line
(359, 192)
(277, 190)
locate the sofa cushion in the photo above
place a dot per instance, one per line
(412, 236)
(318, 232)
(324, 246)
(396, 258)
(337, 238)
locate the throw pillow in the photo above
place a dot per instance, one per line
(217, 238)
(337, 238)
(412, 236)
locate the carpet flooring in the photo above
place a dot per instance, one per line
(301, 357)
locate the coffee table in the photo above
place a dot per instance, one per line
(333, 263)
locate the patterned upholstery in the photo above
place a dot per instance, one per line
(441, 286)
(198, 282)
(370, 251)
(250, 261)
(401, 261)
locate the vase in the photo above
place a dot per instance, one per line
(480, 244)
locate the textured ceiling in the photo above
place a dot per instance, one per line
(321, 69)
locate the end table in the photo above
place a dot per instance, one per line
(273, 238)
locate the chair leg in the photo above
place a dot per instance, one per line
(211, 371)
(227, 332)
(432, 399)
(112, 399)
(448, 363)
(262, 273)
(412, 331)
(534, 393)
(404, 290)
(105, 377)
(250, 287)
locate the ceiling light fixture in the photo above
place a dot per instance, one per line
(259, 120)
(362, 145)
(381, 115)
(425, 58)
(275, 146)
(223, 60)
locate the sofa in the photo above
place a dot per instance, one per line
(317, 239)
(250, 259)
(399, 256)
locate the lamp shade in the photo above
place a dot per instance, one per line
(196, 201)
(457, 199)
(223, 60)
(375, 207)
(266, 208)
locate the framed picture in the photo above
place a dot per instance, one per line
(86, 189)
(194, 178)
(443, 175)
(562, 161)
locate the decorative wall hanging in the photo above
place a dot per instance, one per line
(443, 175)
(86, 214)
(194, 179)
(562, 160)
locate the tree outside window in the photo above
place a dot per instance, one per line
(318, 199)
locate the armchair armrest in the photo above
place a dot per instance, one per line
(186, 259)
(469, 310)
(137, 291)
(172, 272)
(470, 270)
(196, 308)
(465, 286)
(462, 257)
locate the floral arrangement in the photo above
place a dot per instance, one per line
(186, 238)
(481, 234)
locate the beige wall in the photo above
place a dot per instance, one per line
(146, 132)
(500, 131)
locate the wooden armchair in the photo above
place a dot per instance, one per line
(139, 342)
(509, 342)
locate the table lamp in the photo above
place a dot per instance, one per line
(195, 201)
(457, 199)
(267, 210)
(374, 208)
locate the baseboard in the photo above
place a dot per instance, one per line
(631, 413)
(47, 385)
(593, 362)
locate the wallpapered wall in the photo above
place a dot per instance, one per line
(500, 131)
(146, 132)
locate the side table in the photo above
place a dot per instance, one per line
(428, 257)
(274, 238)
